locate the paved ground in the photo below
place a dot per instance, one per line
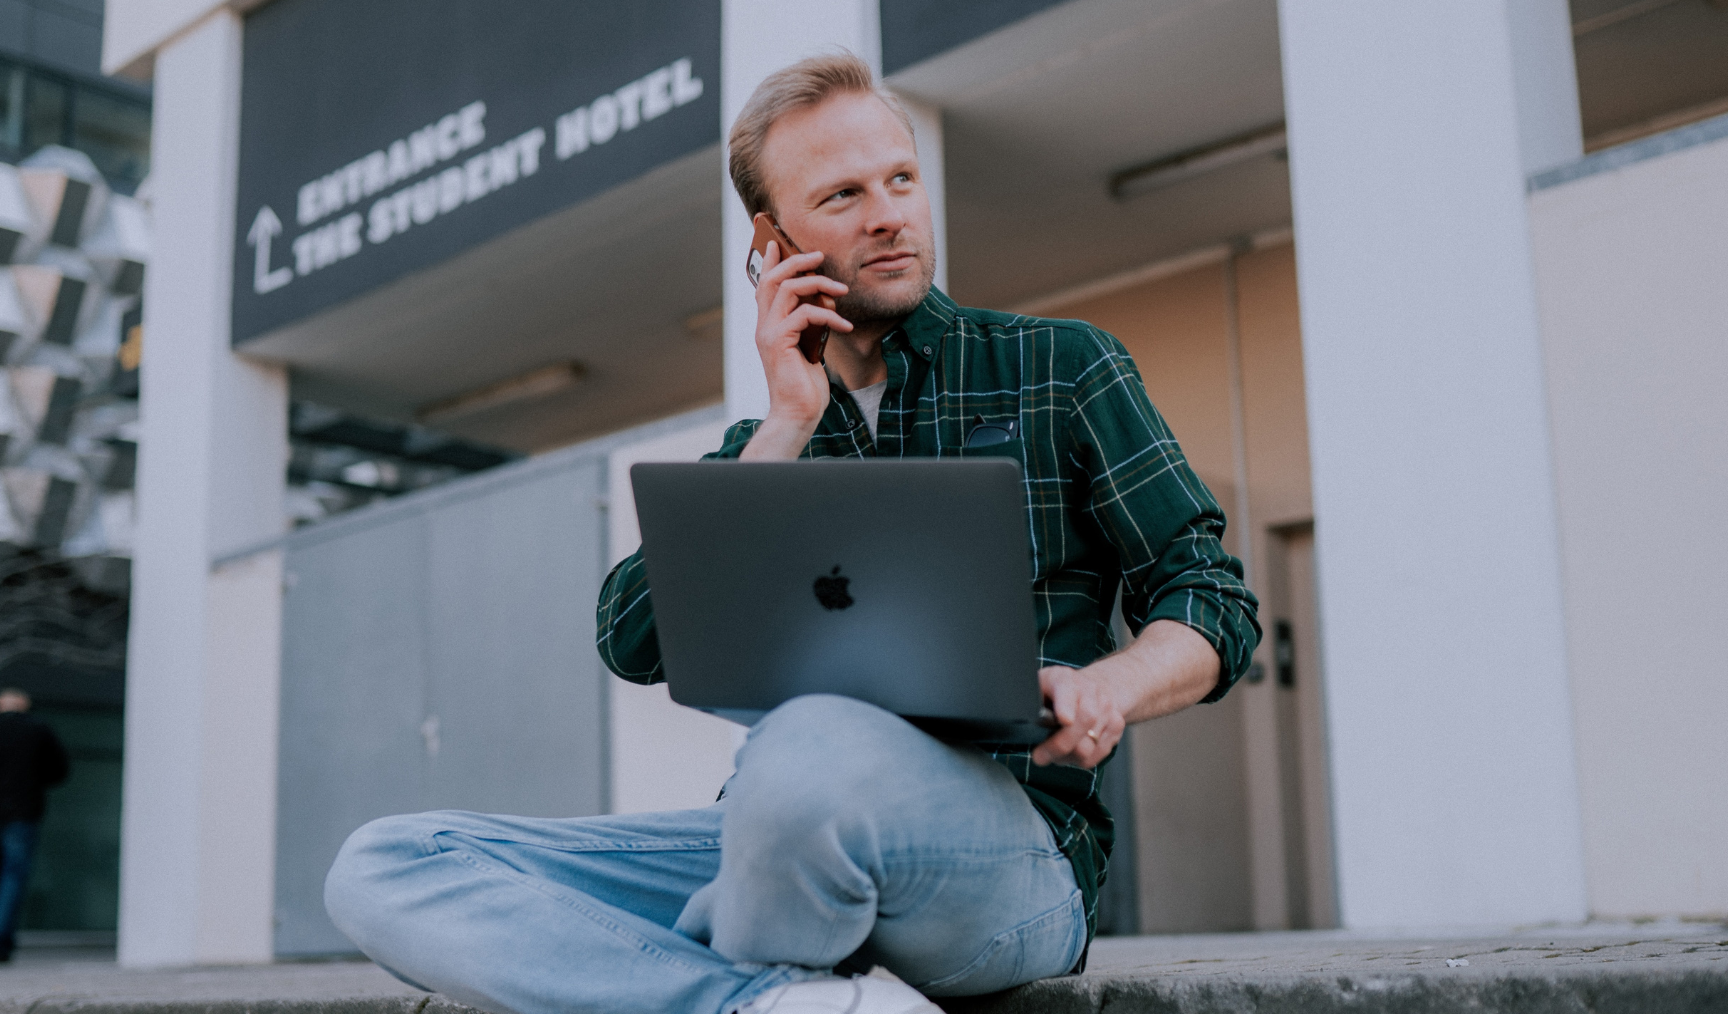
(1597, 969)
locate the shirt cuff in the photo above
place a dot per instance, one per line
(1174, 609)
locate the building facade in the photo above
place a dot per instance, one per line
(73, 148)
(1451, 376)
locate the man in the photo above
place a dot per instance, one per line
(847, 838)
(32, 761)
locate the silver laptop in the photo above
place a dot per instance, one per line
(904, 583)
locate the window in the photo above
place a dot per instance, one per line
(11, 108)
(115, 133)
(108, 122)
(46, 111)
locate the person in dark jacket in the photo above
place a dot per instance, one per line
(32, 761)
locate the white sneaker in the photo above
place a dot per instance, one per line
(867, 994)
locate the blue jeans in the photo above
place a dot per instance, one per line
(847, 838)
(17, 853)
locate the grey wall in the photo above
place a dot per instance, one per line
(1630, 261)
(438, 653)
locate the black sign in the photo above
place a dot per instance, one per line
(915, 30)
(379, 137)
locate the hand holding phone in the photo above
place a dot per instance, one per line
(795, 309)
(814, 340)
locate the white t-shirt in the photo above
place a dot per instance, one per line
(869, 401)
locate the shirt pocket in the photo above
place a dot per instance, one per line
(1006, 449)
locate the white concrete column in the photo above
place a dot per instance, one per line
(758, 37)
(1455, 792)
(1550, 124)
(198, 832)
(664, 756)
(927, 131)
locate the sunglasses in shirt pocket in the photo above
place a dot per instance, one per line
(994, 440)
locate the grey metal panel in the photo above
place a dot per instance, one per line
(516, 685)
(517, 473)
(472, 604)
(353, 696)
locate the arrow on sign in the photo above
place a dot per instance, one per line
(265, 228)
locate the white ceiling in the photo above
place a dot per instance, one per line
(1040, 115)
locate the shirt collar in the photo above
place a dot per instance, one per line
(926, 326)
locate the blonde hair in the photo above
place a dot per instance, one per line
(807, 83)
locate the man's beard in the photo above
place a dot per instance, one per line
(866, 307)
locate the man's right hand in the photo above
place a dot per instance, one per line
(797, 388)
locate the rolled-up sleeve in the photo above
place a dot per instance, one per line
(624, 620)
(624, 623)
(1161, 519)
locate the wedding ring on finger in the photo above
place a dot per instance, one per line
(1092, 734)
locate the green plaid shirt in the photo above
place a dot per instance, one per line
(1110, 502)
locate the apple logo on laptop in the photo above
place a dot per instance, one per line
(831, 590)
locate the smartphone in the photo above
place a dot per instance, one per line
(814, 339)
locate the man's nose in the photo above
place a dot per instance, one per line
(883, 214)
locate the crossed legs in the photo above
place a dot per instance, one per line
(847, 838)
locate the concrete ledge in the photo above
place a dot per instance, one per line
(1600, 993)
(1600, 970)
(1668, 969)
(354, 1005)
